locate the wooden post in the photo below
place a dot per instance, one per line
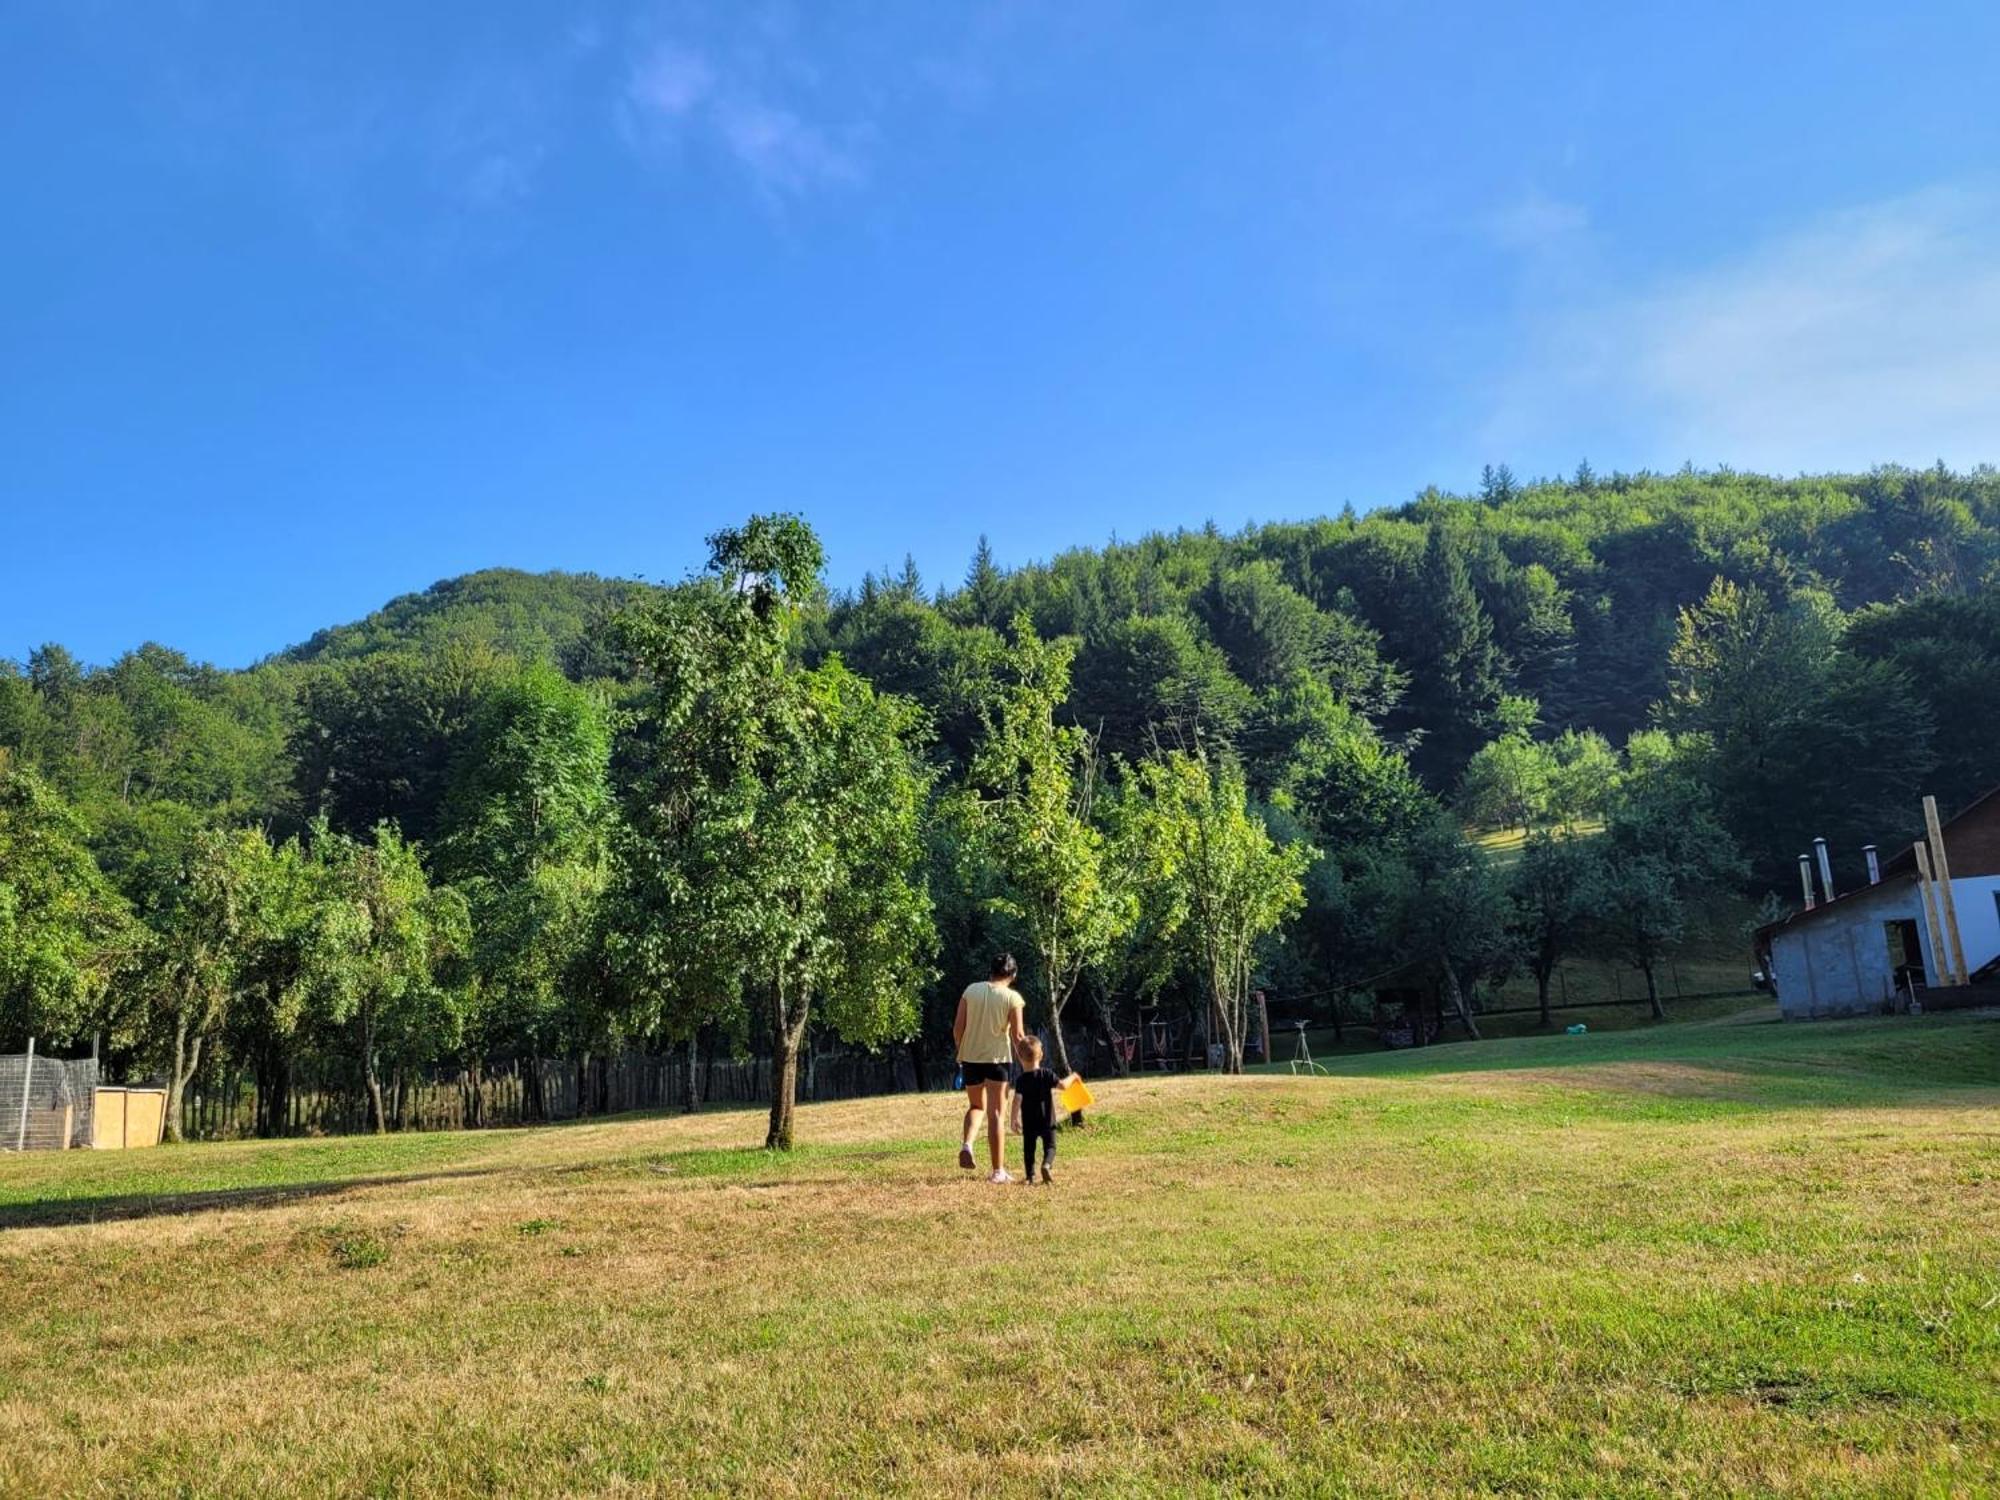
(1927, 887)
(1947, 906)
(27, 1082)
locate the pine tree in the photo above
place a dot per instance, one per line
(1455, 683)
(1496, 485)
(982, 587)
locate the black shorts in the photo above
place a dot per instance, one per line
(982, 1073)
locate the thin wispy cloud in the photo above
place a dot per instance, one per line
(1866, 336)
(1534, 221)
(682, 98)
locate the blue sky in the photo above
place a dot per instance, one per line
(312, 305)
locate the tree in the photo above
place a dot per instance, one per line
(528, 820)
(980, 602)
(775, 836)
(204, 930)
(376, 737)
(1663, 846)
(1806, 738)
(382, 951)
(1437, 902)
(1152, 681)
(1334, 773)
(1231, 885)
(1038, 779)
(63, 929)
(271, 1005)
(1455, 682)
(1509, 783)
(1555, 888)
(1584, 778)
(1947, 649)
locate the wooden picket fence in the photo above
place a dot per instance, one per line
(330, 1097)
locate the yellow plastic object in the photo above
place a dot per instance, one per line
(1075, 1095)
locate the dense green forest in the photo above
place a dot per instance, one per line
(540, 815)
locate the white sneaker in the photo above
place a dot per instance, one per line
(1003, 1175)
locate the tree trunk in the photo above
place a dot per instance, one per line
(1225, 1021)
(1457, 995)
(787, 1031)
(1061, 1046)
(368, 1072)
(691, 1099)
(1542, 975)
(1118, 1064)
(918, 1072)
(177, 1080)
(1653, 994)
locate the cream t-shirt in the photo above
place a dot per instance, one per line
(988, 1008)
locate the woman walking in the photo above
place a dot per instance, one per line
(985, 1031)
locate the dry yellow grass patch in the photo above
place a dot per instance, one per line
(1562, 1282)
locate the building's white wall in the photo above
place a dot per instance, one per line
(1978, 920)
(1836, 963)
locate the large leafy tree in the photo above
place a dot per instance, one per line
(775, 839)
(1806, 738)
(207, 924)
(528, 823)
(63, 929)
(1946, 647)
(1151, 682)
(1038, 778)
(1557, 888)
(1663, 848)
(376, 737)
(1436, 902)
(1510, 781)
(1228, 884)
(385, 951)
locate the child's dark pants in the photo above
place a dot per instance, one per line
(1043, 1131)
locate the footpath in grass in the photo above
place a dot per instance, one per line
(1748, 1259)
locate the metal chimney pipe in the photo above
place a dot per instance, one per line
(1874, 864)
(1825, 867)
(1805, 878)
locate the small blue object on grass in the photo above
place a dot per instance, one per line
(1578, 1029)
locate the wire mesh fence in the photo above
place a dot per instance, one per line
(45, 1104)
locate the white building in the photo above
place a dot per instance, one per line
(1866, 950)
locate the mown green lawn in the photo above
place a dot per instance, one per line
(1699, 1259)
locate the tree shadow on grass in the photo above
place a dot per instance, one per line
(55, 1212)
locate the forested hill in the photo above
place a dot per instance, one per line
(505, 818)
(1835, 638)
(530, 616)
(1580, 583)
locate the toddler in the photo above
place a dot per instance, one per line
(1035, 1096)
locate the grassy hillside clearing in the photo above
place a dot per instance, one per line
(1750, 1259)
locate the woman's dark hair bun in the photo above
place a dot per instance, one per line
(1004, 966)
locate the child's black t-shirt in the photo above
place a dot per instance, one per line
(1037, 1087)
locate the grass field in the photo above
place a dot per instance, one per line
(1697, 1259)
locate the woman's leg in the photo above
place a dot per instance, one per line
(995, 1104)
(972, 1096)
